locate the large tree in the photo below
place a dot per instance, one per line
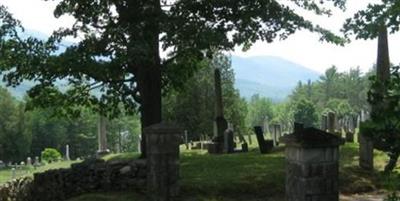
(119, 51)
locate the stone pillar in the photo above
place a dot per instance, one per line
(228, 141)
(312, 165)
(102, 136)
(221, 123)
(276, 134)
(29, 161)
(162, 161)
(331, 122)
(366, 151)
(67, 153)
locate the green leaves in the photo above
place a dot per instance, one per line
(366, 24)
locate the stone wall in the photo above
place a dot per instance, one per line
(88, 176)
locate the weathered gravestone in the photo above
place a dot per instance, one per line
(217, 145)
(331, 122)
(162, 161)
(366, 148)
(265, 146)
(350, 129)
(102, 136)
(276, 134)
(312, 165)
(228, 141)
(29, 161)
(67, 152)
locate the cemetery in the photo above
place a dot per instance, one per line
(148, 100)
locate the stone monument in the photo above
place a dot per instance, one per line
(162, 161)
(312, 165)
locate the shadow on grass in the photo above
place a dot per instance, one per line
(234, 176)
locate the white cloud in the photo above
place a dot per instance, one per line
(37, 14)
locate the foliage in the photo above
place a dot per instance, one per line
(193, 107)
(383, 127)
(119, 53)
(50, 155)
(305, 113)
(27, 133)
(366, 24)
(260, 110)
(344, 93)
(392, 197)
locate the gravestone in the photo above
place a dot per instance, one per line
(102, 136)
(265, 146)
(366, 148)
(331, 122)
(29, 161)
(228, 141)
(221, 123)
(350, 130)
(312, 165)
(37, 162)
(162, 161)
(67, 152)
(276, 134)
(2, 164)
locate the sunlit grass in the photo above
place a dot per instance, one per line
(6, 174)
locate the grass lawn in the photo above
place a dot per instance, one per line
(5, 174)
(252, 176)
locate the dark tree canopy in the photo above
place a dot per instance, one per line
(366, 24)
(119, 52)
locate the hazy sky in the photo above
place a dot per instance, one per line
(302, 47)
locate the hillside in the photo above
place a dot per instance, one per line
(269, 76)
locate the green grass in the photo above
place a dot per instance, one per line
(252, 176)
(5, 174)
(114, 196)
(122, 156)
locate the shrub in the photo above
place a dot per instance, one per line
(50, 155)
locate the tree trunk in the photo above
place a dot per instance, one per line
(150, 92)
(392, 162)
(149, 71)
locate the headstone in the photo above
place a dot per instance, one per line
(267, 128)
(102, 136)
(67, 152)
(2, 164)
(221, 123)
(350, 130)
(37, 161)
(276, 134)
(228, 141)
(29, 161)
(312, 165)
(162, 161)
(265, 146)
(245, 147)
(331, 122)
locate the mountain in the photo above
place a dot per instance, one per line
(269, 76)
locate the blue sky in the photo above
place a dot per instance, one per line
(302, 47)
